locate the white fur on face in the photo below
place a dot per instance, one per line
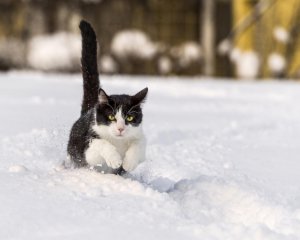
(113, 130)
(119, 124)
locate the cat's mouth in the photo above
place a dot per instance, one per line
(120, 135)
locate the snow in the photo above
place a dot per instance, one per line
(108, 64)
(164, 65)
(276, 62)
(225, 46)
(58, 51)
(133, 43)
(235, 54)
(247, 63)
(187, 53)
(281, 34)
(222, 162)
(17, 168)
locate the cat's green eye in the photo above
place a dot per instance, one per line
(111, 117)
(129, 118)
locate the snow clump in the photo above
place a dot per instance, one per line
(281, 34)
(108, 64)
(224, 47)
(247, 63)
(133, 43)
(58, 51)
(187, 53)
(276, 63)
(164, 65)
(17, 169)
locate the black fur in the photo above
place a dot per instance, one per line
(80, 136)
(89, 67)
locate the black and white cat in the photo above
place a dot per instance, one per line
(108, 136)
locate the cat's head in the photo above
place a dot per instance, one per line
(119, 116)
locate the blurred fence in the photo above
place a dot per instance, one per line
(242, 38)
(265, 39)
(136, 36)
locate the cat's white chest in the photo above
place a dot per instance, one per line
(120, 145)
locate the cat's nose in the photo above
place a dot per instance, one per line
(121, 129)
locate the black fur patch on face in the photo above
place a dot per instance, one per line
(102, 113)
(130, 106)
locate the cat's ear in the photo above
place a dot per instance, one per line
(140, 97)
(102, 97)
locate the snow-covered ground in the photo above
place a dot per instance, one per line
(223, 162)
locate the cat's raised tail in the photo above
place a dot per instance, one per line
(89, 67)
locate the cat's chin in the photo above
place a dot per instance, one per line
(121, 137)
(118, 136)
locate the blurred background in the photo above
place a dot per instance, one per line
(220, 38)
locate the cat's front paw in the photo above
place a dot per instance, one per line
(130, 163)
(134, 155)
(114, 160)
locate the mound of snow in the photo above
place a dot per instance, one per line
(164, 65)
(108, 64)
(209, 199)
(225, 47)
(133, 43)
(35, 147)
(276, 63)
(187, 53)
(17, 168)
(281, 34)
(59, 51)
(247, 63)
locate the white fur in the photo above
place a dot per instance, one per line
(134, 154)
(119, 124)
(115, 148)
(100, 151)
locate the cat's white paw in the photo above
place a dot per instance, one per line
(114, 160)
(134, 155)
(131, 160)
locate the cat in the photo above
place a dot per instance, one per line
(108, 136)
